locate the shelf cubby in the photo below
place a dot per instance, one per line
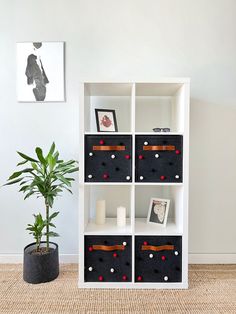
(113, 96)
(143, 195)
(114, 195)
(159, 105)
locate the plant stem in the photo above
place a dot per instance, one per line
(47, 227)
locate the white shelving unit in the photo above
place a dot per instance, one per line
(139, 107)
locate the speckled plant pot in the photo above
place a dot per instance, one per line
(40, 268)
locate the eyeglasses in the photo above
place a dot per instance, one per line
(161, 129)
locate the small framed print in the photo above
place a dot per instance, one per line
(158, 211)
(106, 120)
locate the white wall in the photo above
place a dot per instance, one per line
(126, 40)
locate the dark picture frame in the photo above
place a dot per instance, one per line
(106, 122)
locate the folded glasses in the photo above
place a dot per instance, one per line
(161, 129)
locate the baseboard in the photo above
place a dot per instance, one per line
(212, 258)
(73, 258)
(18, 258)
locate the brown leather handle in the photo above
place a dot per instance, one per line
(108, 247)
(157, 248)
(108, 148)
(159, 147)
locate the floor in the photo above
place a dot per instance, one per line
(212, 289)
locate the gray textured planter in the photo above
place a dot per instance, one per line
(40, 268)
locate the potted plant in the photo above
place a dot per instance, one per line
(45, 176)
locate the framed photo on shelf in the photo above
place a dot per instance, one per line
(158, 211)
(106, 120)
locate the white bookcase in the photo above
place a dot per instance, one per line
(139, 107)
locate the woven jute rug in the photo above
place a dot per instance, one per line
(212, 290)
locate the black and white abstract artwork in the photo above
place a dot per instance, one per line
(158, 211)
(40, 71)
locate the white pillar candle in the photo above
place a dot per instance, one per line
(100, 212)
(121, 216)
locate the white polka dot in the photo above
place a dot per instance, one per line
(156, 155)
(90, 268)
(124, 243)
(166, 278)
(90, 176)
(151, 255)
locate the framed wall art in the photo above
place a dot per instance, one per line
(40, 72)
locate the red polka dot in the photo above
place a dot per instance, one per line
(100, 278)
(145, 243)
(124, 277)
(177, 152)
(115, 255)
(90, 249)
(139, 278)
(140, 157)
(162, 177)
(105, 176)
(163, 258)
(127, 156)
(101, 142)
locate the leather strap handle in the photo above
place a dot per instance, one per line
(109, 148)
(157, 248)
(159, 147)
(108, 247)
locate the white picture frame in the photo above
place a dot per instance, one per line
(158, 211)
(40, 72)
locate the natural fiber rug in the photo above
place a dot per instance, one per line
(212, 290)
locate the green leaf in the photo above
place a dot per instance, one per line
(23, 182)
(51, 151)
(18, 173)
(52, 225)
(15, 175)
(50, 200)
(52, 234)
(30, 228)
(64, 180)
(39, 153)
(26, 157)
(34, 165)
(65, 164)
(24, 188)
(56, 155)
(51, 162)
(14, 181)
(73, 170)
(22, 162)
(29, 194)
(69, 190)
(53, 215)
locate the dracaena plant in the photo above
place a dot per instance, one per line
(36, 229)
(45, 176)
